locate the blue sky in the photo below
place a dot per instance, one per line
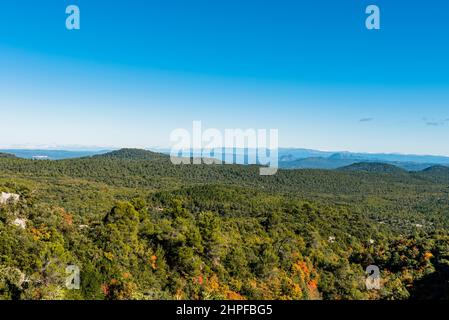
(139, 69)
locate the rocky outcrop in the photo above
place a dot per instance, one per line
(7, 197)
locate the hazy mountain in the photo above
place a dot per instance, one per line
(294, 154)
(334, 163)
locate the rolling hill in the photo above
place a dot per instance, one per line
(373, 167)
(437, 170)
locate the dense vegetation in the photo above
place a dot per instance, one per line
(139, 227)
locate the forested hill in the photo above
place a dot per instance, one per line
(441, 171)
(132, 154)
(140, 227)
(376, 167)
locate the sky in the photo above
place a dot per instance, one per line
(137, 70)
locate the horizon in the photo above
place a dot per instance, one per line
(166, 149)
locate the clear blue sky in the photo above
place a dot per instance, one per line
(138, 69)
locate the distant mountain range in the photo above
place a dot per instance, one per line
(314, 159)
(289, 158)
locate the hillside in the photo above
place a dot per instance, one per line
(291, 154)
(314, 159)
(141, 228)
(438, 173)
